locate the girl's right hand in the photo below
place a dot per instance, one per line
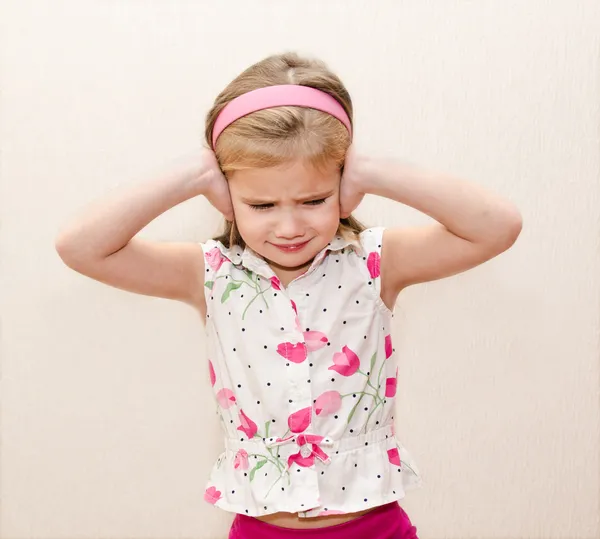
(215, 186)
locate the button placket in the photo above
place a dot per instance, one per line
(298, 371)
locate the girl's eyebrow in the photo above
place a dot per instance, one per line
(312, 196)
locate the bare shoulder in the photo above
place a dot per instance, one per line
(171, 270)
(414, 255)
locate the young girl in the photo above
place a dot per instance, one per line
(297, 297)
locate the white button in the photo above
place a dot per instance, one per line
(306, 450)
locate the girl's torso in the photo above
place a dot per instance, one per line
(292, 520)
(304, 375)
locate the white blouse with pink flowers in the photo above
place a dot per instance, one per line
(305, 383)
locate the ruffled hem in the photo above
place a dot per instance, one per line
(332, 509)
(387, 472)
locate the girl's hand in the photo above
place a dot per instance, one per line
(215, 187)
(351, 193)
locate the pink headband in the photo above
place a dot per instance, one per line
(278, 96)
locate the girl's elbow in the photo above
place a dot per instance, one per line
(510, 230)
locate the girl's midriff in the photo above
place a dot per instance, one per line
(292, 520)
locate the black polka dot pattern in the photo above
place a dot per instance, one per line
(316, 353)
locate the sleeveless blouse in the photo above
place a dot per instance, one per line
(304, 379)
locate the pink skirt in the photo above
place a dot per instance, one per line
(387, 521)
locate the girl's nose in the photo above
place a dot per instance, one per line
(289, 226)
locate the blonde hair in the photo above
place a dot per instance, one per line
(272, 137)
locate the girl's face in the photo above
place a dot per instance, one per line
(286, 205)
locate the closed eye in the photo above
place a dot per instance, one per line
(260, 207)
(316, 202)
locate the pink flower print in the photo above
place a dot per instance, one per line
(211, 371)
(393, 456)
(297, 323)
(275, 283)
(308, 443)
(226, 398)
(241, 460)
(346, 362)
(248, 427)
(393, 429)
(300, 420)
(373, 263)
(388, 346)
(314, 340)
(390, 387)
(296, 353)
(328, 403)
(305, 462)
(296, 319)
(215, 258)
(212, 495)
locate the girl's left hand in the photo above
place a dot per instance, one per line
(351, 193)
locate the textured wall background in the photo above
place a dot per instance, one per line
(107, 424)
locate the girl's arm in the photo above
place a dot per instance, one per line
(100, 243)
(473, 224)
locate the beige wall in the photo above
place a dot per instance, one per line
(107, 420)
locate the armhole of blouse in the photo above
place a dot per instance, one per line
(208, 248)
(371, 241)
(209, 273)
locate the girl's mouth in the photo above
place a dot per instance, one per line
(291, 248)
